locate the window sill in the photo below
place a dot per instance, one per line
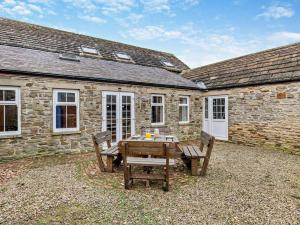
(10, 136)
(158, 125)
(59, 133)
(184, 123)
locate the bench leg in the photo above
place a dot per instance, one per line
(109, 164)
(126, 177)
(195, 166)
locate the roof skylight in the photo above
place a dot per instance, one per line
(122, 56)
(200, 84)
(89, 50)
(70, 57)
(167, 63)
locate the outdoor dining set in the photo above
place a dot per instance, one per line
(154, 148)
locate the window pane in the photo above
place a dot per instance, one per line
(157, 114)
(11, 118)
(206, 108)
(61, 113)
(157, 99)
(1, 118)
(183, 101)
(72, 121)
(9, 95)
(61, 97)
(183, 113)
(70, 97)
(1, 95)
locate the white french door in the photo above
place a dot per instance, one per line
(215, 116)
(118, 114)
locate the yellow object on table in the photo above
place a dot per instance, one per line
(148, 135)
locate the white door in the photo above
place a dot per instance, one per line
(215, 116)
(118, 114)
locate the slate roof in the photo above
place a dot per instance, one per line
(271, 66)
(20, 34)
(44, 63)
(35, 50)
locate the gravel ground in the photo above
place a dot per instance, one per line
(244, 185)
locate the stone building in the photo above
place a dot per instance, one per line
(57, 88)
(254, 99)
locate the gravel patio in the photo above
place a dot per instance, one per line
(244, 185)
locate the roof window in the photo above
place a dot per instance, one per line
(122, 56)
(70, 57)
(167, 63)
(200, 84)
(88, 50)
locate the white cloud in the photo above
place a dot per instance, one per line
(191, 2)
(154, 32)
(284, 37)
(156, 5)
(86, 5)
(105, 6)
(93, 19)
(135, 18)
(25, 8)
(19, 8)
(276, 12)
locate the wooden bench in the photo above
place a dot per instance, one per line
(134, 155)
(111, 152)
(193, 154)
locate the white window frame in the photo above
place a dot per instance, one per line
(76, 103)
(17, 102)
(158, 104)
(188, 109)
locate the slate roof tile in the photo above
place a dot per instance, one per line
(273, 65)
(20, 34)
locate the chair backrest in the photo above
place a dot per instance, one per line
(102, 137)
(144, 148)
(162, 130)
(208, 141)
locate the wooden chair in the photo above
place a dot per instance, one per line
(134, 155)
(193, 155)
(162, 130)
(110, 152)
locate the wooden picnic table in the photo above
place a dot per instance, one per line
(171, 140)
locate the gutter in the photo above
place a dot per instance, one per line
(253, 84)
(105, 80)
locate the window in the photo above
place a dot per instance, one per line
(157, 107)
(89, 50)
(167, 63)
(184, 109)
(10, 111)
(206, 108)
(122, 56)
(219, 108)
(69, 57)
(66, 110)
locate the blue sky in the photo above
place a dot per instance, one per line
(199, 32)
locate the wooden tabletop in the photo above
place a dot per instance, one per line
(161, 138)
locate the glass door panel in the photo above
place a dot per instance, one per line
(118, 115)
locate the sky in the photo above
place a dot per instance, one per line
(199, 32)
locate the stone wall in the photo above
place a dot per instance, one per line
(266, 115)
(37, 137)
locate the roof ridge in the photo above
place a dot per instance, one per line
(88, 36)
(247, 55)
